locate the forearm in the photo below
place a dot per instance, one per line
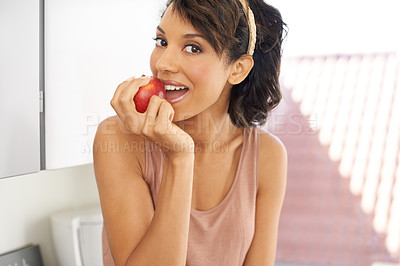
(165, 242)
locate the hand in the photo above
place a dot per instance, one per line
(155, 124)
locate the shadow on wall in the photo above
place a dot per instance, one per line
(340, 122)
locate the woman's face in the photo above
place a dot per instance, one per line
(181, 58)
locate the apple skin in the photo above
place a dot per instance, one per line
(143, 95)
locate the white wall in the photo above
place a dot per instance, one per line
(340, 26)
(26, 203)
(86, 58)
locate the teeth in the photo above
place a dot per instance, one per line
(173, 88)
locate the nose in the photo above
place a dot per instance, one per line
(167, 61)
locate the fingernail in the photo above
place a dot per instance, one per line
(143, 77)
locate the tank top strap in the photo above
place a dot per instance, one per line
(249, 167)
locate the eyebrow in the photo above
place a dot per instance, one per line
(186, 36)
(192, 35)
(160, 30)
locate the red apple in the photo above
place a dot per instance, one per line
(143, 95)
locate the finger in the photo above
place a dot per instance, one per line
(131, 89)
(123, 95)
(165, 115)
(125, 99)
(117, 93)
(151, 113)
(121, 87)
(132, 122)
(130, 79)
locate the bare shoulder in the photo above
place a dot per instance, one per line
(271, 147)
(114, 143)
(113, 128)
(273, 161)
(270, 195)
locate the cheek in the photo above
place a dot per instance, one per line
(209, 75)
(204, 72)
(198, 72)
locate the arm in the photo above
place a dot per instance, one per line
(137, 234)
(166, 240)
(271, 190)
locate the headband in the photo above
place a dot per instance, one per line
(252, 26)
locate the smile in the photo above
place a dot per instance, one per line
(175, 94)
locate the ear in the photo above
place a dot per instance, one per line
(240, 69)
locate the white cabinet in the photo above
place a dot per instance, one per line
(19, 87)
(90, 47)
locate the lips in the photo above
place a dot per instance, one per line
(175, 91)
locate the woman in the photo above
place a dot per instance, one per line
(193, 181)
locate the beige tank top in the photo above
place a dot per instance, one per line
(223, 234)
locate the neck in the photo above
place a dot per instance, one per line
(209, 130)
(212, 127)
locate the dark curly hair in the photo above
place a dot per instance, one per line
(224, 24)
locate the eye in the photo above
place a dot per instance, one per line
(192, 48)
(160, 42)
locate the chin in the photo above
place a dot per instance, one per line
(182, 116)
